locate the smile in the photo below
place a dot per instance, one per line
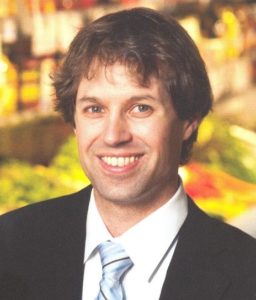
(114, 161)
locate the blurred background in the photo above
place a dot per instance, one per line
(38, 157)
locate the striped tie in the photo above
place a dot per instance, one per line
(115, 264)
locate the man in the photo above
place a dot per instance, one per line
(135, 89)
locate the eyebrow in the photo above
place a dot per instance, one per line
(87, 99)
(132, 98)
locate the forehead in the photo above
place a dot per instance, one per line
(119, 76)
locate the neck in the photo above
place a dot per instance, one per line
(120, 217)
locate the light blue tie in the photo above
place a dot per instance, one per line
(115, 264)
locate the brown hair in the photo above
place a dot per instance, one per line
(148, 44)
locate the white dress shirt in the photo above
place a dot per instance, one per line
(147, 244)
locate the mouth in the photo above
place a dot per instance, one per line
(120, 161)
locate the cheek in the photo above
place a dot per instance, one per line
(148, 130)
(86, 133)
(154, 136)
(83, 141)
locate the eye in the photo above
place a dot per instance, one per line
(94, 109)
(142, 110)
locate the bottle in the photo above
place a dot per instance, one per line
(8, 85)
(29, 90)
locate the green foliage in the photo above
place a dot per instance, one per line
(22, 183)
(66, 164)
(219, 149)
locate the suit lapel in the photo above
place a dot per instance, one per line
(191, 274)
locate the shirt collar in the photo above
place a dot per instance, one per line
(96, 231)
(159, 228)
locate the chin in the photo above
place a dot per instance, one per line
(118, 196)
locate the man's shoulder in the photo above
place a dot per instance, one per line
(230, 233)
(232, 254)
(218, 256)
(232, 237)
(216, 235)
(41, 240)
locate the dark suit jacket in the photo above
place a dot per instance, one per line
(42, 248)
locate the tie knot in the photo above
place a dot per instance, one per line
(115, 262)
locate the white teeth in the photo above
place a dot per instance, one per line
(119, 161)
(113, 161)
(126, 160)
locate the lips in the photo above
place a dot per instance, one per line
(120, 161)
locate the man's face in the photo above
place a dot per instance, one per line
(129, 138)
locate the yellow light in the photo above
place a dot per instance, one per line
(3, 66)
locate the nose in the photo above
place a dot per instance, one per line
(117, 130)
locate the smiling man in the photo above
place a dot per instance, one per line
(129, 140)
(135, 89)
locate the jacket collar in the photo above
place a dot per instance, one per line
(191, 274)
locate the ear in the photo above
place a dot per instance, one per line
(190, 126)
(74, 124)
